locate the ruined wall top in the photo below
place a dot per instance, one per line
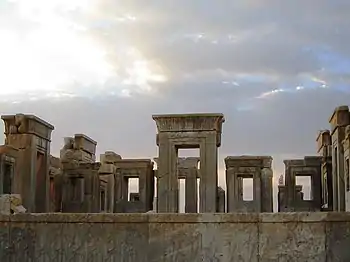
(83, 142)
(248, 161)
(189, 122)
(340, 117)
(27, 124)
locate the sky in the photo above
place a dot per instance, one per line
(276, 70)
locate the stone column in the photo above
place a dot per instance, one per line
(324, 149)
(346, 145)
(266, 188)
(209, 176)
(221, 200)
(31, 136)
(168, 185)
(191, 199)
(339, 120)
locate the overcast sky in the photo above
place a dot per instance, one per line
(276, 69)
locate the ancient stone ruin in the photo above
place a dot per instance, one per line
(74, 200)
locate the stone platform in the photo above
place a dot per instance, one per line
(175, 237)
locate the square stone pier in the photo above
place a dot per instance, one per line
(324, 149)
(338, 121)
(259, 169)
(187, 170)
(176, 131)
(31, 136)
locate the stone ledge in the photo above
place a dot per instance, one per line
(304, 217)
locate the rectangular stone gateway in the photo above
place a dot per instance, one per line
(177, 131)
(142, 169)
(259, 169)
(310, 166)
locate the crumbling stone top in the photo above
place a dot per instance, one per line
(10, 118)
(248, 161)
(323, 139)
(189, 122)
(340, 117)
(109, 157)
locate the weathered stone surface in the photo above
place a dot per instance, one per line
(176, 237)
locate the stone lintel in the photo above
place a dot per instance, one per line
(9, 151)
(83, 142)
(306, 162)
(184, 162)
(134, 163)
(340, 117)
(248, 161)
(189, 122)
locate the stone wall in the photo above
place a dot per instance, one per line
(175, 237)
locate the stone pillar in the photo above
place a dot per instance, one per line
(221, 200)
(8, 181)
(346, 146)
(324, 149)
(191, 199)
(201, 131)
(168, 185)
(55, 185)
(339, 120)
(31, 136)
(209, 177)
(107, 174)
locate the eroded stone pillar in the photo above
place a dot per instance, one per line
(201, 131)
(339, 120)
(324, 149)
(56, 184)
(346, 146)
(221, 200)
(107, 175)
(259, 169)
(31, 136)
